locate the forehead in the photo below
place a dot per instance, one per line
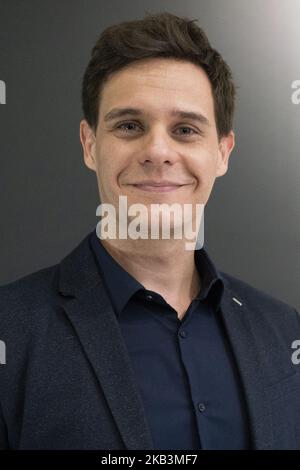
(157, 85)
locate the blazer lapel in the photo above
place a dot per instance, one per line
(90, 311)
(237, 320)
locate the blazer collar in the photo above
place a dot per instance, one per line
(247, 352)
(88, 308)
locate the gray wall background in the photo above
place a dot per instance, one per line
(49, 198)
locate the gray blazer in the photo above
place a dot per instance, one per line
(68, 382)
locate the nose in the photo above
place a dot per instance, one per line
(158, 149)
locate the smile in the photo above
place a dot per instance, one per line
(157, 189)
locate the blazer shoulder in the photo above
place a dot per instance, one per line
(23, 296)
(255, 297)
(29, 282)
(33, 298)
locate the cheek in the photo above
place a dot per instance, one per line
(203, 165)
(111, 168)
(105, 159)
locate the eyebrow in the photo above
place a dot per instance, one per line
(121, 112)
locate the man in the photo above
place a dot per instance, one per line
(139, 343)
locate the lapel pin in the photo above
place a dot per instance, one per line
(237, 301)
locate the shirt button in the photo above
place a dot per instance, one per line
(183, 333)
(201, 407)
(149, 297)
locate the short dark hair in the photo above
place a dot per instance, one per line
(157, 35)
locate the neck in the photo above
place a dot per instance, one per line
(163, 266)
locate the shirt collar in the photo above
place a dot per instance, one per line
(122, 286)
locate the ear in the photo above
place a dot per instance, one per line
(226, 146)
(88, 142)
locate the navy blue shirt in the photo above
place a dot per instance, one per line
(185, 370)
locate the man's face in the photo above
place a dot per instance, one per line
(152, 140)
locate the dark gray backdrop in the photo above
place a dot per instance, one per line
(49, 198)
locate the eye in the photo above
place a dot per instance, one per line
(187, 130)
(127, 126)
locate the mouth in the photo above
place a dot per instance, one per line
(163, 186)
(158, 188)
